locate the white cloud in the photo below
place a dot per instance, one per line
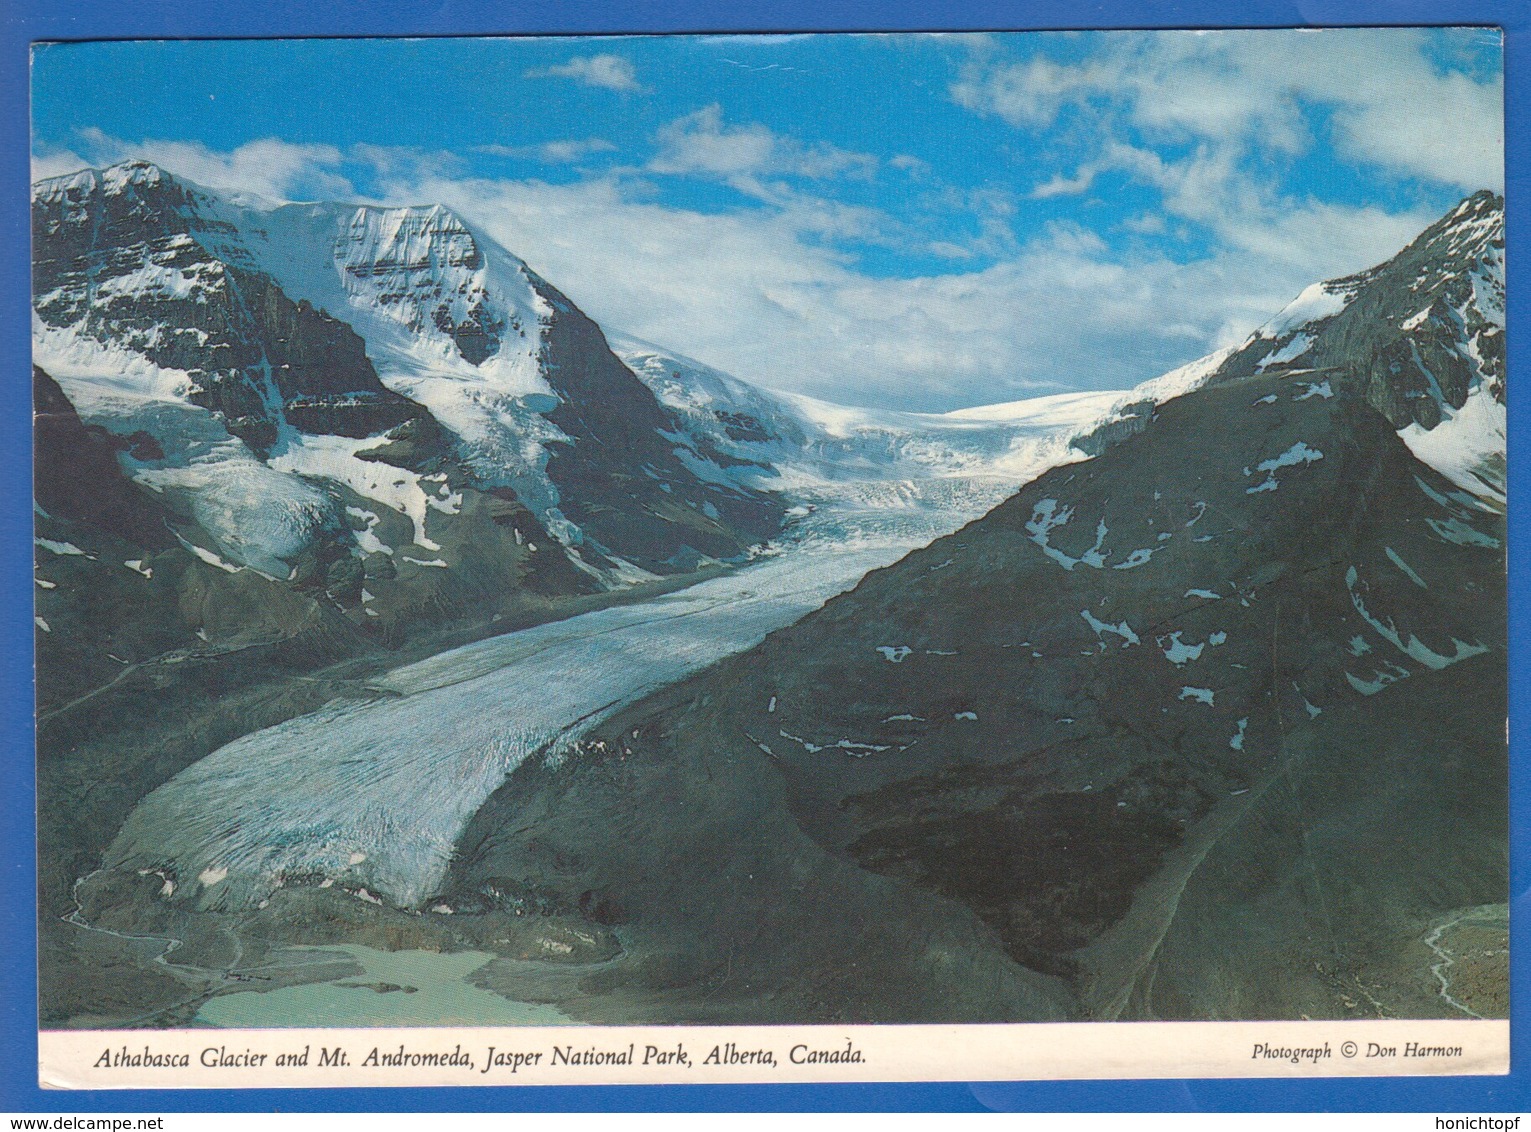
(565, 151)
(948, 250)
(701, 143)
(402, 163)
(268, 167)
(988, 209)
(1026, 93)
(1211, 188)
(56, 163)
(1146, 224)
(1389, 104)
(1452, 131)
(613, 72)
(1063, 186)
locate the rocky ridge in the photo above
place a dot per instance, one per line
(1187, 730)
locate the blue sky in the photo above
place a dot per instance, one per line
(924, 222)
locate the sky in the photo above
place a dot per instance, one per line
(908, 221)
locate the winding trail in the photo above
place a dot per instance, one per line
(1444, 959)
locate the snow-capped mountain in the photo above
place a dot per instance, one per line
(1423, 333)
(301, 364)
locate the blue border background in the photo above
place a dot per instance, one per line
(24, 21)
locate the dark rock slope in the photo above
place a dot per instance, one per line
(1210, 726)
(621, 472)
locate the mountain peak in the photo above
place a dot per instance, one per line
(1480, 215)
(432, 214)
(1484, 200)
(113, 178)
(135, 171)
(65, 184)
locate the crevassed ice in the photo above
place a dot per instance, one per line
(395, 780)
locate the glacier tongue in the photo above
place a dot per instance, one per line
(397, 779)
(374, 795)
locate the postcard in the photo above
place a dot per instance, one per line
(823, 557)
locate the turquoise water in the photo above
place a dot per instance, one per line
(443, 997)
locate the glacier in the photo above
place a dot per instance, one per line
(372, 794)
